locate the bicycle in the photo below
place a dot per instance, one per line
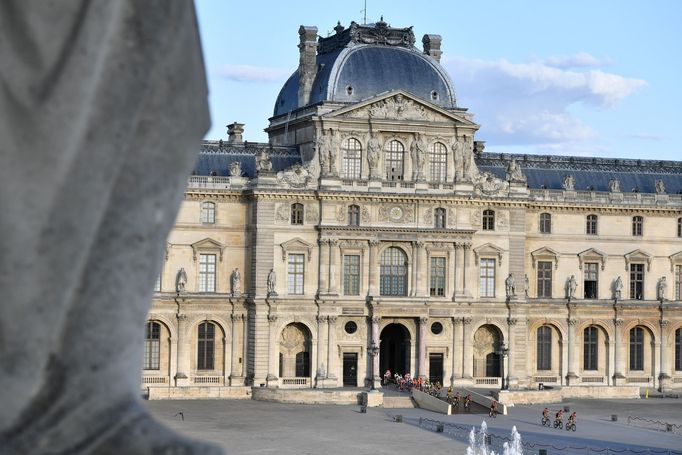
(492, 413)
(558, 423)
(546, 422)
(467, 405)
(570, 426)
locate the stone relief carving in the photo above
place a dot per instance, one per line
(514, 172)
(452, 217)
(364, 214)
(282, 213)
(475, 217)
(341, 212)
(235, 169)
(296, 176)
(418, 155)
(487, 183)
(263, 161)
(373, 156)
(396, 213)
(311, 214)
(428, 216)
(569, 182)
(502, 220)
(396, 107)
(382, 33)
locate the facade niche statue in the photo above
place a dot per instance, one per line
(569, 182)
(272, 283)
(418, 154)
(470, 169)
(263, 161)
(514, 172)
(510, 286)
(660, 186)
(236, 283)
(180, 281)
(373, 155)
(571, 286)
(661, 289)
(614, 185)
(617, 289)
(235, 169)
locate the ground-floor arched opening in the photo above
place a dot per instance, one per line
(394, 350)
(295, 349)
(487, 359)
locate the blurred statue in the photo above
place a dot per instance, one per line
(180, 281)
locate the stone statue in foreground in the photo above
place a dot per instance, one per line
(94, 90)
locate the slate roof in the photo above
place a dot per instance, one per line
(547, 172)
(216, 156)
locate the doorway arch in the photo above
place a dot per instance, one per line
(394, 349)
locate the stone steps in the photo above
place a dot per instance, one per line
(399, 402)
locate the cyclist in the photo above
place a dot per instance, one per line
(559, 418)
(457, 399)
(572, 419)
(493, 408)
(449, 394)
(545, 416)
(467, 402)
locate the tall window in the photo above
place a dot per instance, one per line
(207, 273)
(353, 215)
(637, 225)
(439, 218)
(297, 213)
(591, 283)
(679, 227)
(302, 364)
(437, 162)
(545, 223)
(393, 272)
(544, 279)
(544, 348)
(157, 285)
(637, 349)
(208, 212)
(352, 159)
(678, 350)
(487, 277)
(591, 226)
(678, 282)
(152, 346)
(206, 346)
(437, 287)
(394, 160)
(488, 220)
(351, 274)
(295, 275)
(637, 281)
(590, 349)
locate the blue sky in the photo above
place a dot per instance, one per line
(588, 78)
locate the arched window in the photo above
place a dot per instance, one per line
(488, 220)
(206, 346)
(393, 272)
(678, 350)
(297, 213)
(544, 348)
(591, 226)
(152, 346)
(637, 226)
(353, 215)
(352, 159)
(437, 162)
(439, 218)
(590, 348)
(208, 212)
(637, 349)
(394, 160)
(545, 223)
(679, 227)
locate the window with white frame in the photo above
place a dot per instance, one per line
(487, 277)
(207, 281)
(295, 273)
(545, 223)
(206, 346)
(637, 226)
(393, 272)
(152, 346)
(351, 274)
(352, 159)
(591, 225)
(437, 287)
(678, 282)
(544, 279)
(438, 162)
(208, 212)
(637, 281)
(394, 157)
(591, 280)
(439, 218)
(157, 284)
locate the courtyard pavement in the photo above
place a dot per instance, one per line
(253, 427)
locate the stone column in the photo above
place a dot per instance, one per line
(373, 269)
(413, 270)
(236, 375)
(321, 329)
(456, 349)
(375, 339)
(182, 376)
(450, 278)
(465, 266)
(273, 352)
(323, 287)
(619, 353)
(571, 376)
(512, 378)
(421, 271)
(459, 271)
(664, 377)
(332, 352)
(333, 259)
(245, 346)
(423, 322)
(467, 353)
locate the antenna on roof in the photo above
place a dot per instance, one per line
(364, 21)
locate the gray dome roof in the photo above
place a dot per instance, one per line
(360, 71)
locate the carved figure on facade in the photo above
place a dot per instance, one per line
(373, 155)
(236, 283)
(510, 286)
(311, 214)
(322, 146)
(475, 217)
(660, 186)
(617, 288)
(296, 176)
(282, 213)
(180, 281)
(458, 158)
(272, 283)
(569, 182)
(514, 172)
(381, 33)
(334, 145)
(418, 155)
(614, 185)
(395, 107)
(235, 169)
(471, 172)
(263, 161)
(571, 286)
(487, 183)
(364, 214)
(661, 289)
(526, 285)
(428, 216)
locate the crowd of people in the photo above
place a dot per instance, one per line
(406, 383)
(559, 419)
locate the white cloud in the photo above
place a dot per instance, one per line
(529, 103)
(645, 136)
(248, 73)
(579, 60)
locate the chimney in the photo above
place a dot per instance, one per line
(432, 46)
(307, 66)
(234, 133)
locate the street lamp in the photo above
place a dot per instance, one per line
(372, 351)
(504, 352)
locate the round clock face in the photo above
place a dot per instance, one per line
(396, 213)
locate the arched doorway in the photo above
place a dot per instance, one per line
(487, 344)
(294, 351)
(394, 350)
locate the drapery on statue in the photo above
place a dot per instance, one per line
(180, 281)
(94, 90)
(617, 288)
(510, 287)
(571, 286)
(661, 289)
(236, 283)
(373, 154)
(272, 282)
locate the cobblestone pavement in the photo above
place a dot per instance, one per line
(252, 427)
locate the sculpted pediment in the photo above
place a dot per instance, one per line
(296, 245)
(207, 244)
(400, 105)
(638, 256)
(591, 254)
(488, 249)
(545, 253)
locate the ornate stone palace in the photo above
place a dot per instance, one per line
(374, 218)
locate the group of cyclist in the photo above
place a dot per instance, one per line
(456, 399)
(559, 419)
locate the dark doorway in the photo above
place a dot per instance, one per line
(394, 351)
(350, 369)
(436, 368)
(492, 365)
(302, 364)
